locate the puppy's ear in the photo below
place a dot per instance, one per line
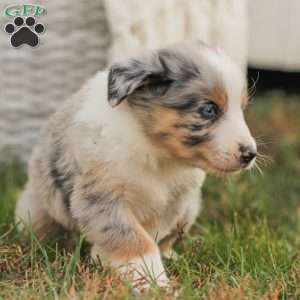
(125, 78)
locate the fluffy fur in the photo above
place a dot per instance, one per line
(122, 162)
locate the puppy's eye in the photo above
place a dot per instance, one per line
(209, 111)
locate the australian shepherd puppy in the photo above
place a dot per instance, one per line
(123, 160)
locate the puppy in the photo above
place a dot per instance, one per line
(123, 160)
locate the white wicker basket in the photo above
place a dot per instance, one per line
(81, 36)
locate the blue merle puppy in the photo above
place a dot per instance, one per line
(122, 160)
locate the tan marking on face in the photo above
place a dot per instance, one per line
(163, 132)
(218, 95)
(159, 123)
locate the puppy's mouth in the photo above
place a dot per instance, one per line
(222, 171)
(210, 167)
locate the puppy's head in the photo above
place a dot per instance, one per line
(189, 101)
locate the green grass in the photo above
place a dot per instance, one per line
(245, 244)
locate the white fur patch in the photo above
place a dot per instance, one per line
(233, 130)
(145, 270)
(121, 134)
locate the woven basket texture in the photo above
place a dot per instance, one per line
(34, 81)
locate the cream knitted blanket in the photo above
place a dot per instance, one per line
(154, 23)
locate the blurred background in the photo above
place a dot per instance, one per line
(249, 230)
(82, 37)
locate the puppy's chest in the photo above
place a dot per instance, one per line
(159, 198)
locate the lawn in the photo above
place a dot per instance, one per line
(245, 244)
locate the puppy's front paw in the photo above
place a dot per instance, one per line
(145, 271)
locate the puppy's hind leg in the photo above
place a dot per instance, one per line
(30, 215)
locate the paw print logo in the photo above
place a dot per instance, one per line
(24, 31)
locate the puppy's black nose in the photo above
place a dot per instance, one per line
(248, 153)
